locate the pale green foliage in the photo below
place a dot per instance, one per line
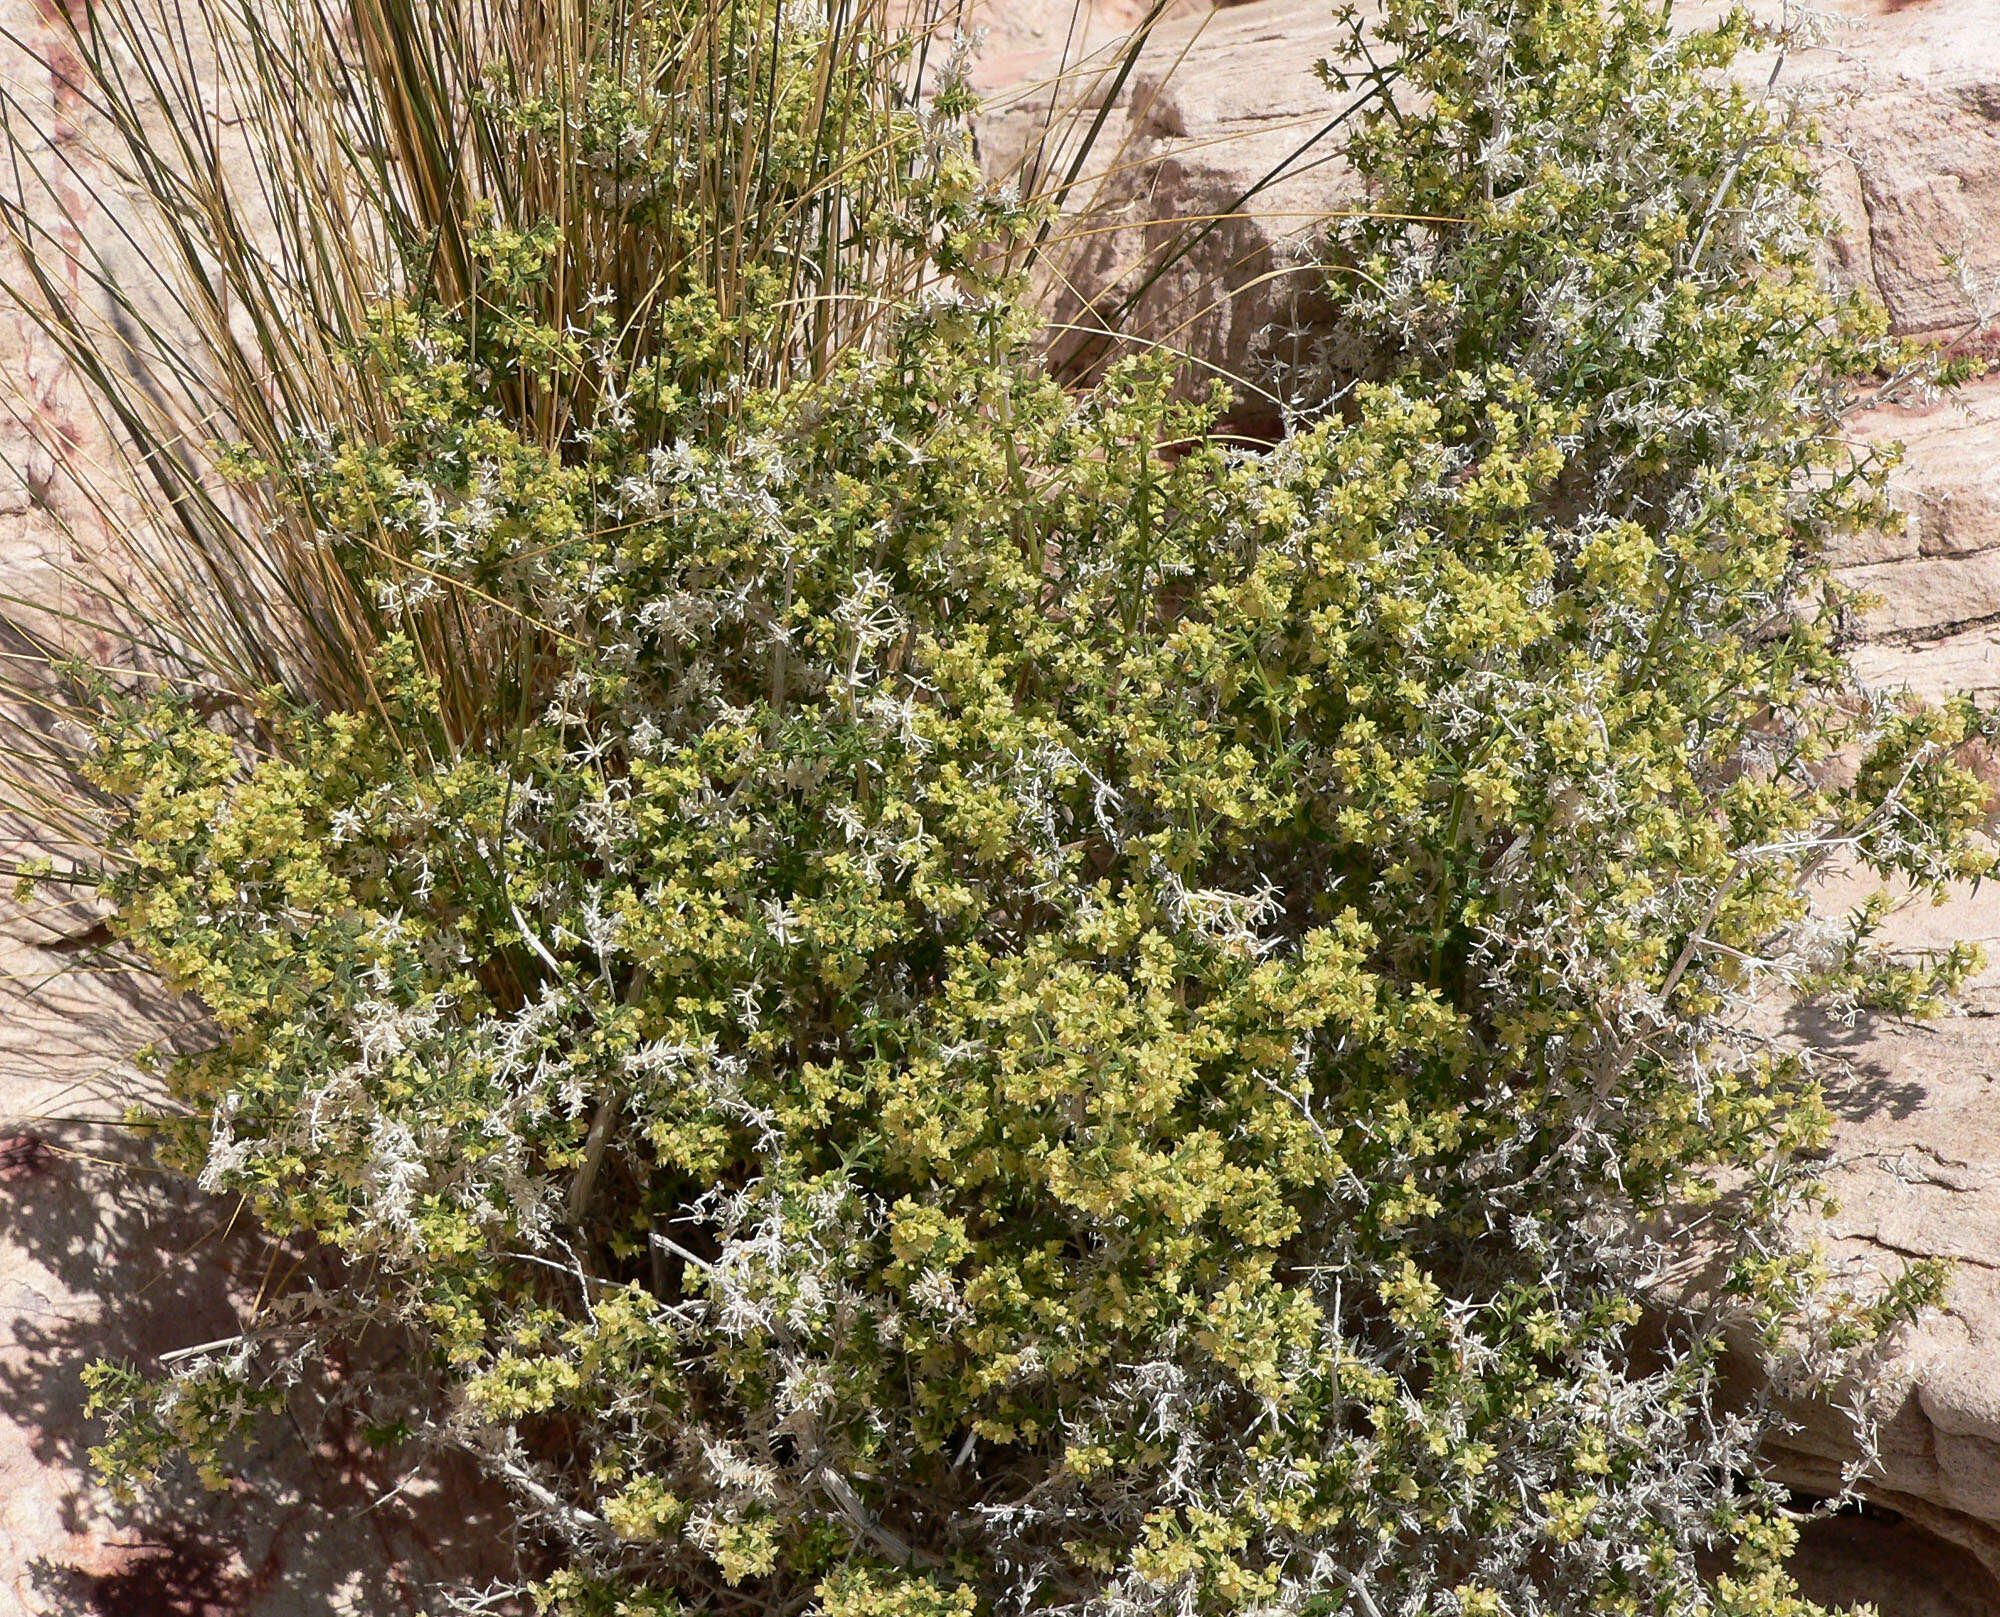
(1023, 1010)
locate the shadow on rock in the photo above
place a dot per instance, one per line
(1874, 1555)
(183, 1576)
(103, 1255)
(1856, 1081)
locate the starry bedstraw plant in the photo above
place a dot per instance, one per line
(1010, 1008)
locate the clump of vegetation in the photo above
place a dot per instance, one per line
(930, 992)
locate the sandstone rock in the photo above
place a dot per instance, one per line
(1024, 45)
(1917, 1175)
(1930, 597)
(1936, 574)
(1907, 96)
(1965, 661)
(1891, 1562)
(1908, 100)
(1949, 481)
(1213, 164)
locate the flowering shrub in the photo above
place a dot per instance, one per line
(1008, 1007)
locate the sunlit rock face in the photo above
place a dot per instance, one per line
(1211, 156)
